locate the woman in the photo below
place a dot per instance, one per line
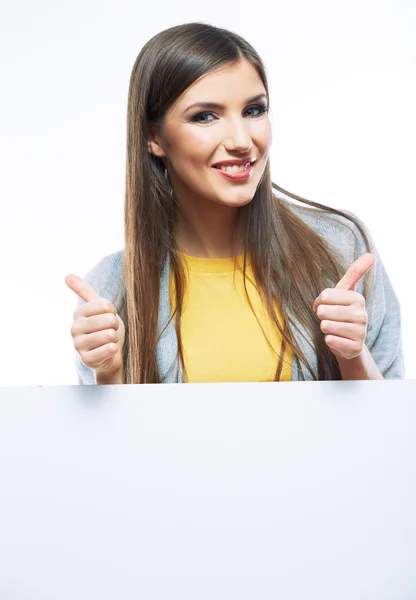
(222, 279)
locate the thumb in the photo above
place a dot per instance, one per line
(81, 288)
(357, 270)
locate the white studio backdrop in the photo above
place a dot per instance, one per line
(343, 92)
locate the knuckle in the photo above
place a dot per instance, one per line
(112, 336)
(78, 345)
(362, 317)
(79, 312)
(108, 306)
(112, 320)
(83, 356)
(75, 329)
(110, 350)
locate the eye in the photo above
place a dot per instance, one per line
(197, 118)
(262, 108)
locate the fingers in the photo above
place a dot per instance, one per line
(357, 270)
(92, 341)
(340, 297)
(94, 323)
(81, 288)
(99, 346)
(100, 306)
(350, 331)
(343, 347)
(96, 357)
(95, 331)
(342, 313)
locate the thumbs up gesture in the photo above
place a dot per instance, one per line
(342, 311)
(97, 331)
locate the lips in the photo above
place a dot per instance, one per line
(232, 162)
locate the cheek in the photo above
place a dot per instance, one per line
(192, 146)
(263, 137)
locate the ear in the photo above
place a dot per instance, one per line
(154, 144)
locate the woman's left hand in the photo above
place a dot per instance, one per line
(342, 311)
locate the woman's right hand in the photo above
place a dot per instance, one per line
(97, 331)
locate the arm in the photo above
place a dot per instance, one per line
(114, 379)
(361, 367)
(382, 357)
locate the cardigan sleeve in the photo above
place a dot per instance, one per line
(384, 329)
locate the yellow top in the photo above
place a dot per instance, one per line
(221, 338)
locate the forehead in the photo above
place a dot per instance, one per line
(229, 83)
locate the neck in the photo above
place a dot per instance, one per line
(214, 231)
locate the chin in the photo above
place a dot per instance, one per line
(238, 202)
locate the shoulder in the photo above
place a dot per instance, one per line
(338, 230)
(104, 277)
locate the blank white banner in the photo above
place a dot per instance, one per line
(226, 491)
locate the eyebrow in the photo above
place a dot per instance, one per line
(221, 106)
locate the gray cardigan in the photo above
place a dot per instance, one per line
(384, 339)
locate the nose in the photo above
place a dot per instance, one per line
(238, 138)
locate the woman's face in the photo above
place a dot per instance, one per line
(233, 124)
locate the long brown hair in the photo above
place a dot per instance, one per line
(291, 263)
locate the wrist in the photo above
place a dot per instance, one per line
(109, 378)
(360, 367)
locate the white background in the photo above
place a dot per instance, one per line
(343, 92)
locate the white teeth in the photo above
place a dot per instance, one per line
(234, 168)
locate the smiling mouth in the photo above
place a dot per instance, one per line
(235, 168)
(236, 173)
